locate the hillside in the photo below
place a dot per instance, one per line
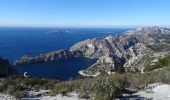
(131, 51)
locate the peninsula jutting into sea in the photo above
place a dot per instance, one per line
(84, 50)
(129, 58)
(132, 50)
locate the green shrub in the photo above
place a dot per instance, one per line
(67, 86)
(10, 90)
(15, 90)
(162, 63)
(108, 88)
(141, 80)
(120, 70)
(19, 94)
(17, 86)
(60, 89)
(103, 87)
(86, 89)
(1, 88)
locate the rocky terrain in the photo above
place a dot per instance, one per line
(133, 51)
(156, 91)
(5, 68)
(51, 56)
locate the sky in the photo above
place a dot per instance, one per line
(84, 12)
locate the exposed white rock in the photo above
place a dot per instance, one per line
(155, 60)
(109, 37)
(104, 63)
(40, 92)
(59, 97)
(81, 72)
(133, 50)
(91, 48)
(157, 92)
(69, 96)
(6, 97)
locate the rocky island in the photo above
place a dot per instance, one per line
(58, 31)
(132, 51)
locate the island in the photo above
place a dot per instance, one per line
(59, 31)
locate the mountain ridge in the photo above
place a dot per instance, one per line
(132, 50)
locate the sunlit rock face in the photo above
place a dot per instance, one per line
(103, 64)
(50, 56)
(131, 50)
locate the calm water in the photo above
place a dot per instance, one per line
(16, 42)
(64, 69)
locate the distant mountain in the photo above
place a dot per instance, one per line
(132, 51)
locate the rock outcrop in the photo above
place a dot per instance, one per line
(133, 50)
(51, 56)
(5, 68)
(103, 64)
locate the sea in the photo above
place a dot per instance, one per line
(18, 41)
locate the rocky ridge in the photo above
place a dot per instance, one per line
(133, 51)
(51, 56)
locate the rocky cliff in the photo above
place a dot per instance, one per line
(133, 50)
(51, 56)
(5, 68)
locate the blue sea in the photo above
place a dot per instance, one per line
(18, 41)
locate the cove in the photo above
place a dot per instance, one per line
(63, 69)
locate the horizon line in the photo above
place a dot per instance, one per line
(84, 26)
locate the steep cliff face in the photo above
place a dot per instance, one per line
(133, 50)
(103, 64)
(51, 56)
(5, 68)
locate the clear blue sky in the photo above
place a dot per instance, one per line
(84, 12)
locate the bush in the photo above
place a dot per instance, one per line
(10, 90)
(60, 89)
(86, 89)
(65, 87)
(17, 86)
(162, 63)
(19, 94)
(108, 88)
(16, 91)
(103, 87)
(120, 70)
(141, 80)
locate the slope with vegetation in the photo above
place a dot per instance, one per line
(102, 87)
(143, 50)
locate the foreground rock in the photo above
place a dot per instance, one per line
(40, 96)
(5, 68)
(6, 97)
(133, 50)
(155, 92)
(71, 96)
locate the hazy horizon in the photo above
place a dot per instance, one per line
(88, 26)
(88, 13)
